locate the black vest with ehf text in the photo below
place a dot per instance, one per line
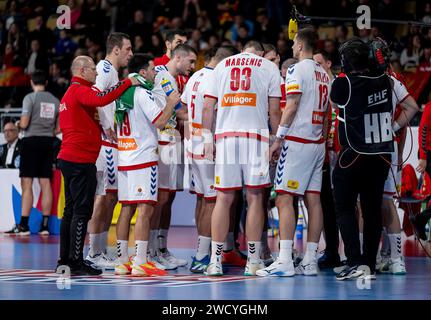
(366, 120)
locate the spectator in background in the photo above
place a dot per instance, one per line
(39, 121)
(427, 13)
(140, 28)
(65, 46)
(2, 33)
(410, 55)
(157, 48)
(331, 50)
(8, 57)
(240, 25)
(197, 42)
(203, 24)
(43, 34)
(37, 59)
(341, 32)
(57, 81)
(12, 15)
(213, 41)
(15, 38)
(266, 30)
(10, 151)
(425, 60)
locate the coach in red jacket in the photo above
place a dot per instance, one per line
(80, 147)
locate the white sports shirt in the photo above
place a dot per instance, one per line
(193, 97)
(137, 135)
(242, 84)
(163, 74)
(107, 77)
(309, 79)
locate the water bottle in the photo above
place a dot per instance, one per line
(300, 226)
(168, 89)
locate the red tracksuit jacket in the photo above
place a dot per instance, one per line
(79, 122)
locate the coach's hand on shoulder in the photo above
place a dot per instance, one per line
(173, 99)
(111, 135)
(421, 166)
(135, 81)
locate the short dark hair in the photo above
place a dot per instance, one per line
(183, 48)
(139, 61)
(115, 39)
(170, 34)
(209, 54)
(309, 37)
(38, 77)
(326, 56)
(354, 55)
(225, 51)
(254, 44)
(267, 47)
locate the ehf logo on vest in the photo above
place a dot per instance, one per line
(378, 125)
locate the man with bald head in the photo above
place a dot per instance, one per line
(81, 144)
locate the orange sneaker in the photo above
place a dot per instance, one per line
(123, 269)
(233, 258)
(147, 270)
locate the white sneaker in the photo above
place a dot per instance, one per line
(101, 261)
(309, 269)
(382, 262)
(253, 266)
(161, 262)
(278, 268)
(214, 269)
(397, 266)
(172, 259)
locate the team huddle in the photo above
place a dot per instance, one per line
(241, 126)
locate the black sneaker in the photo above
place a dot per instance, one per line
(328, 261)
(84, 269)
(18, 230)
(419, 225)
(349, 273)
(44, 231)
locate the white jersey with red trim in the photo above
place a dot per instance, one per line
(309, 79)
(107, 76)
(242, 84)
(163, 75)
(399, 92)
(137, 135)
(193, 97)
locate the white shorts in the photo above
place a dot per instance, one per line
(138, 186)
(202, 179)
(107, 162)
(393, 181)
(171, 167)
(241, 161)
(299, 169)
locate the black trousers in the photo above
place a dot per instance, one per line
(330, 226)
(364, 177)
(80, 188)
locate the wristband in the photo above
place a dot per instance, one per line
(396, 126)
(282, 131)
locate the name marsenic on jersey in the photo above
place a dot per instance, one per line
(232, 62)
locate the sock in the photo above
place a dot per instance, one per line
(95, 244)
(163, 239)
(254, 250)
(310, 252)
(123, 250)
(24, 222)
(264, 240)
(386, 246)
(152, 243)
(361, 241)
(45, 220)
(285, 254)
(229, 244)
(103, 241)
(141, 252)
(204, 244)
(395, 245)
(216, 250)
